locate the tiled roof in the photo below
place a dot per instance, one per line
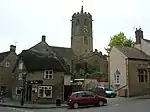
(133, 53)
(3, 55)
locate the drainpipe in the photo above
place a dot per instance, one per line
(127, 77)
(109, 71)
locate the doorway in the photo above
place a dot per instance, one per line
(29, 93)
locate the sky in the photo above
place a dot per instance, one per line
(23, 22)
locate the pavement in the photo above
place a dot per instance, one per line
(15, 104)
(128, 106)
(111, 101)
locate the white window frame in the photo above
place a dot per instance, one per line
(18, 88)
(44, 95)
(7, 64)
(20, 76)
(48, 74)
(117, 79)
(20, 66)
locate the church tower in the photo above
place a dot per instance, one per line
(81, 33)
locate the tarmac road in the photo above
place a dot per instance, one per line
(140, 105)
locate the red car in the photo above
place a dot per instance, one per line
(85, 98)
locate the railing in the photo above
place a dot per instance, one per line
(121, 87)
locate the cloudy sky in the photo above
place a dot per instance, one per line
(22, 22)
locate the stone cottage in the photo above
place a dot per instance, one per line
(7, 62)
(41, 75)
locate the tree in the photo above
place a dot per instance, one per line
(119, 40)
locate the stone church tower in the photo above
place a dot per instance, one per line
(81, 33)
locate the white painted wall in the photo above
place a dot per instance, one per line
(145, 46)
(67, 79)
(117, 61)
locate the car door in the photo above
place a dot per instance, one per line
(81, 99)
(91, 98)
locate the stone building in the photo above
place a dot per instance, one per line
(129, 67)
(82, 45)
(7, 62)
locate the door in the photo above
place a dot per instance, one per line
(91, 98)
(67, 91)
(29, 92)
(81, 99)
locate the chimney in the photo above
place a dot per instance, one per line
(12, 48)
(138, 35)
(43, 38)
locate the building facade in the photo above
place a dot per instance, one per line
(7, 62)
(39, 78)
(129, 68)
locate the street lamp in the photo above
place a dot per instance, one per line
(23, 89)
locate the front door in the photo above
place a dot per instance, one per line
(29, 93)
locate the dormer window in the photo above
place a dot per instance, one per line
(21, 66)
(48, 74)
(7, 64)
(117, 77)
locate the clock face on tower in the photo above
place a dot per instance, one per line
(85, 29)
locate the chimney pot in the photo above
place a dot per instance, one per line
(43, 38)
(138, 35)
(12, 48)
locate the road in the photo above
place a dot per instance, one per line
(128, 106)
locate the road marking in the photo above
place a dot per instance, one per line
(17, 109)
(115, 105)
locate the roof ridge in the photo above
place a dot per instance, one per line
(61, 47)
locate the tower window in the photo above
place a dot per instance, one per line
(85, 22)
(85, 40)
(77, 23)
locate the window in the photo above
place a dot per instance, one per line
(18, 90)
(20, 76)
(117, 79)
(48, 74)
(21, 66)
(143, 75)
(45, 91)
(85, 22)
(7, 64)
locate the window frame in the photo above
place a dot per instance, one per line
(20, 66)
(7, 64)
(117, 79)
(142, 75)
(20, 77)
(19, 88)
(44, 95)
(49, 74)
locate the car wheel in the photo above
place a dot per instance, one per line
(75, 105)
(101, 103)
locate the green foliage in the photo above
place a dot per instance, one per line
(119, 40)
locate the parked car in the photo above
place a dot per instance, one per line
(110, 93)
(85, 98)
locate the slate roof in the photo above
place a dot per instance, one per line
(3, 55)
(146, 40)
(35, 62)
(134, 53)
